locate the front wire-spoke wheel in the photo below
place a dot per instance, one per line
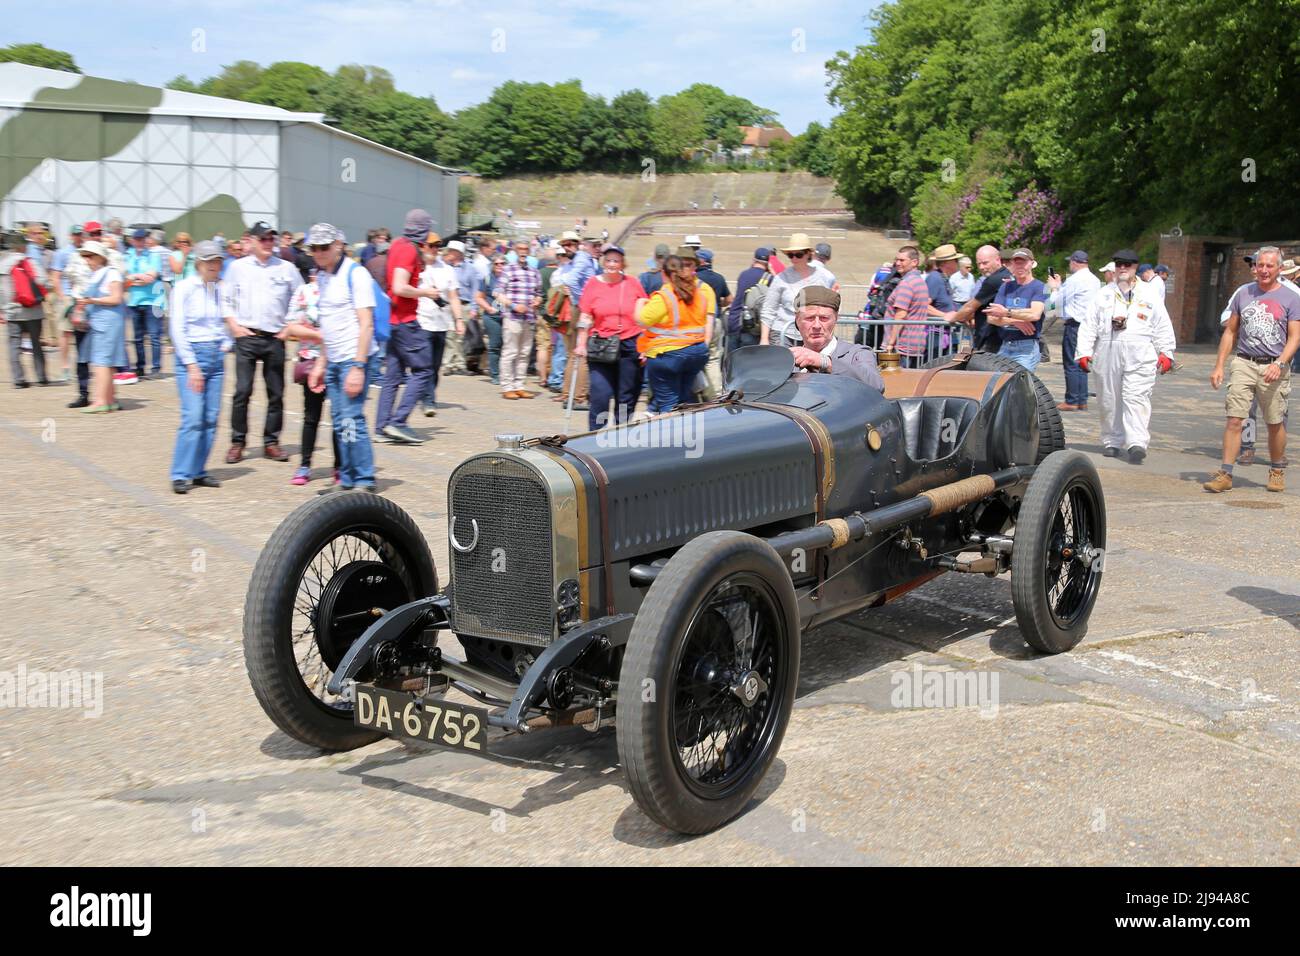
(331, 569)
(708, 681)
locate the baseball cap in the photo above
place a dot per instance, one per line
(662, 251)
(321, 234)
(1145, 266)
(261, 230)
(77, 230)
(140, 234)
(1108, 267)
(764, 253)
(207, 249)
(1162, 269)
(823, 249)
(1078, 255)
(705, 255)
(610, 247)
(1021, 253)
(455, 246)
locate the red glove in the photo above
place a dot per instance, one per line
(1084, 362)
(1164, 363)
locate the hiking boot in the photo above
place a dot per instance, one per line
(1276, 480)
(1220, 481)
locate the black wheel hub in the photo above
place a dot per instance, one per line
(356, 596)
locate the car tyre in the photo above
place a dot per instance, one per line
(1058, 555)
(383, 560)
(715, 645)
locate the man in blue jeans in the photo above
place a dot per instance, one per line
(1018, 311)
(349, 352)
(145, 296)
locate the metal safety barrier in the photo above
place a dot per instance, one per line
(942, 339)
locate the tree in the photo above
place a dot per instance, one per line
(722, 110)
(290, 86)
(36, 54)
(677, 125)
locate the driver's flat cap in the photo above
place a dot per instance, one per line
(817, 295)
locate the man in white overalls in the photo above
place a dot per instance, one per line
(1127, 338)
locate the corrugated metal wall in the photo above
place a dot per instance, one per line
(354, 186)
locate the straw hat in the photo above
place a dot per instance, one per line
(798, 242)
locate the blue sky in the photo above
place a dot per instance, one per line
(458, 51)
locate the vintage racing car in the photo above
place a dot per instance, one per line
(615, 578)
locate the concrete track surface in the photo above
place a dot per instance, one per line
(1170, 736)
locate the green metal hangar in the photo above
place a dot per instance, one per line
(74, 148)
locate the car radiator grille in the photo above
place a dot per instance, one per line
(502, 588)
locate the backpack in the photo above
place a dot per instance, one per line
(751, 310)
(27, 290)
(383, 305)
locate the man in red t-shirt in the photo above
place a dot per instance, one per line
(410, 348)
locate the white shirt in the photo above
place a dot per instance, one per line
(197, 316)
(963, 287)
(818, 264)
(257, 294)
(341, 294)
(432, 317)
(1159, 283)
(1075, 295)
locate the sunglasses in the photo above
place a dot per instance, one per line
(798, 255)
(322, 248)
(1120, 264)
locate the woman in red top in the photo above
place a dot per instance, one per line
(607, 308)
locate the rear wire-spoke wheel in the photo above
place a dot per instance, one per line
(708, 681)
(1058, 556)
(331, 569)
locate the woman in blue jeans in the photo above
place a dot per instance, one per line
(608, 311)
(678, 320)
(201, 340)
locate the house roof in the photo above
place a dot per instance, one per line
(764, 136)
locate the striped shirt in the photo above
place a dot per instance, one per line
(912, 295)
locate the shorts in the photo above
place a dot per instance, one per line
(1246, 384)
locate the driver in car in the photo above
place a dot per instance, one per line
(816, 312)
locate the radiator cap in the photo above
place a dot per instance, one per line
(509, 441)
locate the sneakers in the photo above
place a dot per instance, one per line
(512, 396)
(1276, 480)
(402, 434)
(1219, 482)
(125, 378)
(301, 476)
(180, 486)
(206, 481)
(381, 439)
(429, 411)
(1136, 454)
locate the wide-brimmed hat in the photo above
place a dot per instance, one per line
(570, 236)
(798, 242)
(945, 253)
(686, 252)
(1290, 267)
(93, 247)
